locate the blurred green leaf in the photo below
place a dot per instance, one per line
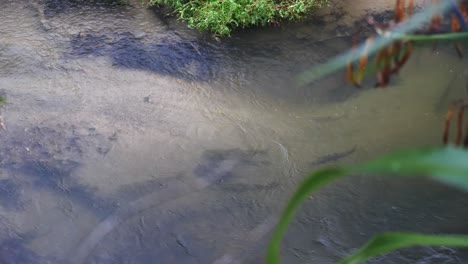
(448, 165)
(311, 183)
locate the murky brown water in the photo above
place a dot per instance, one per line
(132, 139)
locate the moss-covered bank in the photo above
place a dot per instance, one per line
(222, 16)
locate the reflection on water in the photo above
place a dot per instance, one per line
(131, 139)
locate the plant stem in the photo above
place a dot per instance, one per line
(444, 36)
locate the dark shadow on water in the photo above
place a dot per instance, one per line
(47, 158)
(186, 59)
(10, 194)
(14, 251)
(56, 176)
(14, 247)
(262, 63)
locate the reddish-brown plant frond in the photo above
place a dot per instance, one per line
(400, 6)
(463, 9)
(436, 20)
(363, 59)
(390, 58)
(397, 46)
(448, 119)
(435, 23)
(399, 10)
(461, 105)
(456, 25)
(384, 68)
(399, 58)
(410, 7)
(408, 50)
(350, 66)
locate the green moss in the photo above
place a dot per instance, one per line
(222, 16)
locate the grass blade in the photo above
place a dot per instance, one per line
(448, 165)
(310, 184)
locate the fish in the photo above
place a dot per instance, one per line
(333, 157)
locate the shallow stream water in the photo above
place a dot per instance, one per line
(132, 139)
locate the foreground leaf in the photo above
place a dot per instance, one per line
(312, 183)
(448, 165)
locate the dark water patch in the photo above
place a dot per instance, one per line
(54, 174)
(38, 143)
(256, 65)
(90, 44)
(14, 251)
(47, 157)
(87, 197)
(10, 194)
(187, 59)
(61, 142)
(14, 247)
(57, 176)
